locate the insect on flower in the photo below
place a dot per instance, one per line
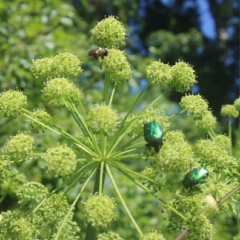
(153, 134)
(195, 176)
(99, 52)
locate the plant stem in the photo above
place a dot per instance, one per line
(181, 235)
(106, 87)
(112, 94)
(123, 202)
(72, 206)
(228, 195)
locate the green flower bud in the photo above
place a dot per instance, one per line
(14, 227)
(229, 110)
(211, 207)
(154, 235)
(109, 33)
(12, 103)
(66, 65)
(183, 77)
(237, 104)
(40, 116)
(62, 65)
(117, 66)
(175, 154)
(208, 121)
(109, 236)
(102, 119)
(31, 193)
(61, 161)
(100, 210)
(159, 73)
(19, 147)
(59, 89)
(195, 105)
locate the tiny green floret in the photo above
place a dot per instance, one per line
(61, 161)
(59, 89)
(12, 103)
(117, 66)
(183, 76)
(229, 110)
(159, 73)
(195, 176)
(100, 210)
(109, 33)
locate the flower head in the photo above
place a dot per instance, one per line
(207, 121)
(229, 110)
(59, 89)
(19, 147)
(40, 116)
(117, 66)
(159, 73)
(62, 65)
(12, 103)
(61, 161)
(183, 77)
(100, 210)
(109, 33)
(176, 154)
(195, 105)
(237, 104)
(102, 119)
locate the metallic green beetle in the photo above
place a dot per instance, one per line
(195, 176)
(153, 134)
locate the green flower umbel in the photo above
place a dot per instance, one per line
(117, 67)
(19, 147)
(102, 119)
(159, 73)
(183, 77)
(109, 236)
(61, 161)
(229, 110)
(100, 210)
(109, 33)
(12, 103)
(59, 89)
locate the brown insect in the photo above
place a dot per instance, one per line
(99, 52)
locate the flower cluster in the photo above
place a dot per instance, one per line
(19, 147)
(60, 161)
(100, 210)
(175, 154)
(117, 66)
(154, 235)
(12, 103)
(109, 33)
(194, 209)
(109, 236)
(180, 76)
(229, 110)
(40, 117)
(58, 90)
(102, 119)
(62, 65)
